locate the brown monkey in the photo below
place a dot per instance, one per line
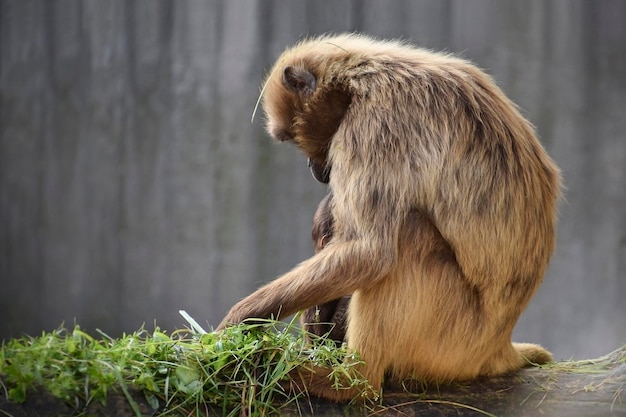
(328, 318)
(322, 228)
(444, 208)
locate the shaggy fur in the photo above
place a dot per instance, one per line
(444, 208)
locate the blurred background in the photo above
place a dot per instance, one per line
(133, 184)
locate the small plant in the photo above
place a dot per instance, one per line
(234, 372)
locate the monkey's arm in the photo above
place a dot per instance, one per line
(338, 270)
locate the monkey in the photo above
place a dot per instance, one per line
(322, 227)
(444, 205)
(327, 319)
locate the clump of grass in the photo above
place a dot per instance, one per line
(235, 372)
(589, 366)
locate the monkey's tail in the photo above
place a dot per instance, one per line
(533, 354)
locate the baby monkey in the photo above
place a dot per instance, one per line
(329, 318)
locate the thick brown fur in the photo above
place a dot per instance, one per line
(444, 208)
(328, 319)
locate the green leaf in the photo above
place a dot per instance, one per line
(152, 400)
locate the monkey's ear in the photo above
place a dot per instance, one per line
(299, 80)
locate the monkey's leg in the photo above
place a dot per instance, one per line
(318, 319)
(317, 382)
(328, 319)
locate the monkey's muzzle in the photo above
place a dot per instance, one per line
(320, 172)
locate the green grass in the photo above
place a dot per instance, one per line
(235, 372)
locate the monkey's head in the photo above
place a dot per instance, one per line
(323, 223)
(305, 103)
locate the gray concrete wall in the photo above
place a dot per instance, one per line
(132, 183)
